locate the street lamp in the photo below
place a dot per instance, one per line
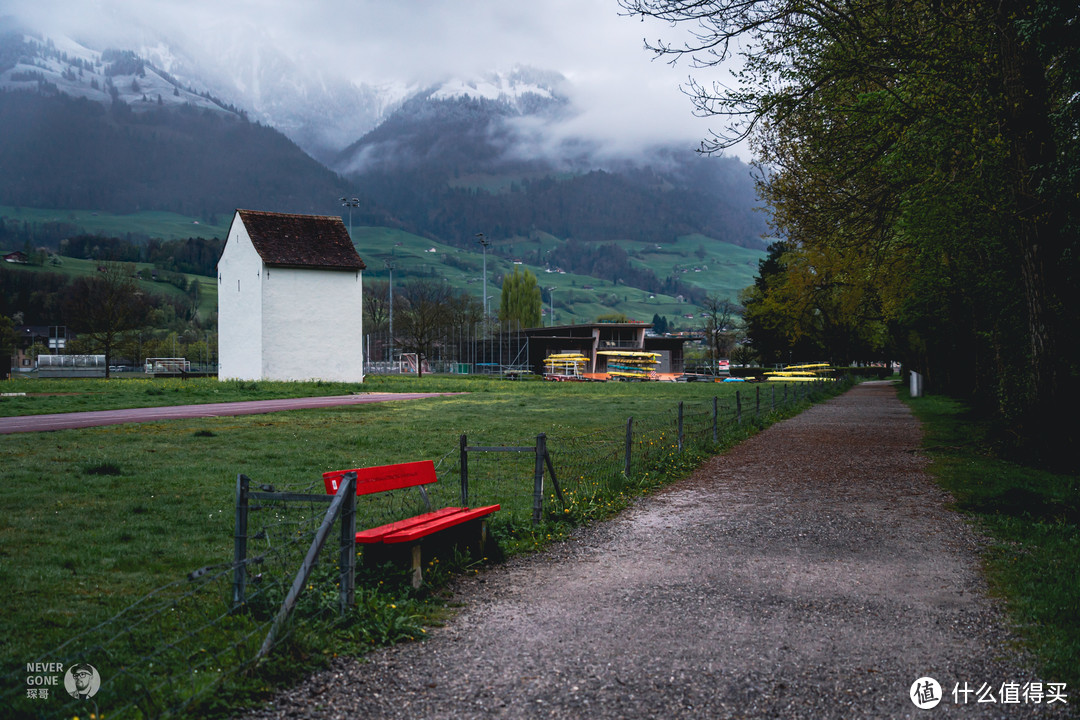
(484, 242)
(350, 203)
(390, 266)
(551, 306)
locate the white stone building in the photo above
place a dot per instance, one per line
(289, 299)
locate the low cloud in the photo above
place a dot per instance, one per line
(623, 99)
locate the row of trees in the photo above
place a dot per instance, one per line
(921, 162)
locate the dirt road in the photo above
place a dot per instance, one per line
(813, 572)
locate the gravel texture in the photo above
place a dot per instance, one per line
(814, 571)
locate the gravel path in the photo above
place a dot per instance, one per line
(812, 572)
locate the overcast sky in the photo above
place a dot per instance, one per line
(620, 90)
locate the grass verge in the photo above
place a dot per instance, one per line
(1032, 518)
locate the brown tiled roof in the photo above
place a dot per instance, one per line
(315, 241)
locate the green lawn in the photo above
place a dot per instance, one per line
(92, 520)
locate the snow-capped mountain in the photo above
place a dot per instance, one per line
(62, 65)
(323, 114)
(496, 150)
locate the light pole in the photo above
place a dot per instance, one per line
(390, 266)
(484, 242)
(551, 306)
(350, 203)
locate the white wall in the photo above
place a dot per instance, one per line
(240, 322)
(312, 325)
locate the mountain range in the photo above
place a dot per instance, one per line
(123, 130)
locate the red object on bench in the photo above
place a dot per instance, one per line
(396, 477)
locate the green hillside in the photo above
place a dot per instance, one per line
(724, 270)
(698, 261)
(74, 267)
(164, 225)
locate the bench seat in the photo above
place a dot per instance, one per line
(421, 525)
(411, 531)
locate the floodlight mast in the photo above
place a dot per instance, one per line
(484, 242)
(350, 203)
(390, 266)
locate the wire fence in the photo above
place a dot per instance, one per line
(173, 648)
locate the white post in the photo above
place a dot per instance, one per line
(916, 384)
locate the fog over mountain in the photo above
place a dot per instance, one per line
(325, 72)
(186, 109)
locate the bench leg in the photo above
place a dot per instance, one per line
(417, 567)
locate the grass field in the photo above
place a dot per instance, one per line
(94, 519)
(1032, 518)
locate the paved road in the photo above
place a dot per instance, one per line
(813, 572)
(67, 421)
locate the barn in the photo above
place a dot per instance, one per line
(289, 299)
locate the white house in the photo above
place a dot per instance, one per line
(289, 299)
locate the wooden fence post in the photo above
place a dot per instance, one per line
(240, 543)
(680, 426)
(738, 407)
(347, 555)
(714, 413)
(629, 444)
(538, 479)
(346, 489)
(464, 471)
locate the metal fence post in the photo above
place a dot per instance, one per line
(538, 478)
(240, 543)
(464, 471)
(629, 444)
(680, 425)
(347, 558)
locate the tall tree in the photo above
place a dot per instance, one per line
(519, 302)
(421, 323)
(720, 319)
(103, 306)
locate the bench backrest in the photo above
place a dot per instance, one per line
(384, 477)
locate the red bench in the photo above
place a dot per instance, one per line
(407, 534)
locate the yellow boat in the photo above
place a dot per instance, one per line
(630, 364)
(564, 366)
(801, 373)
